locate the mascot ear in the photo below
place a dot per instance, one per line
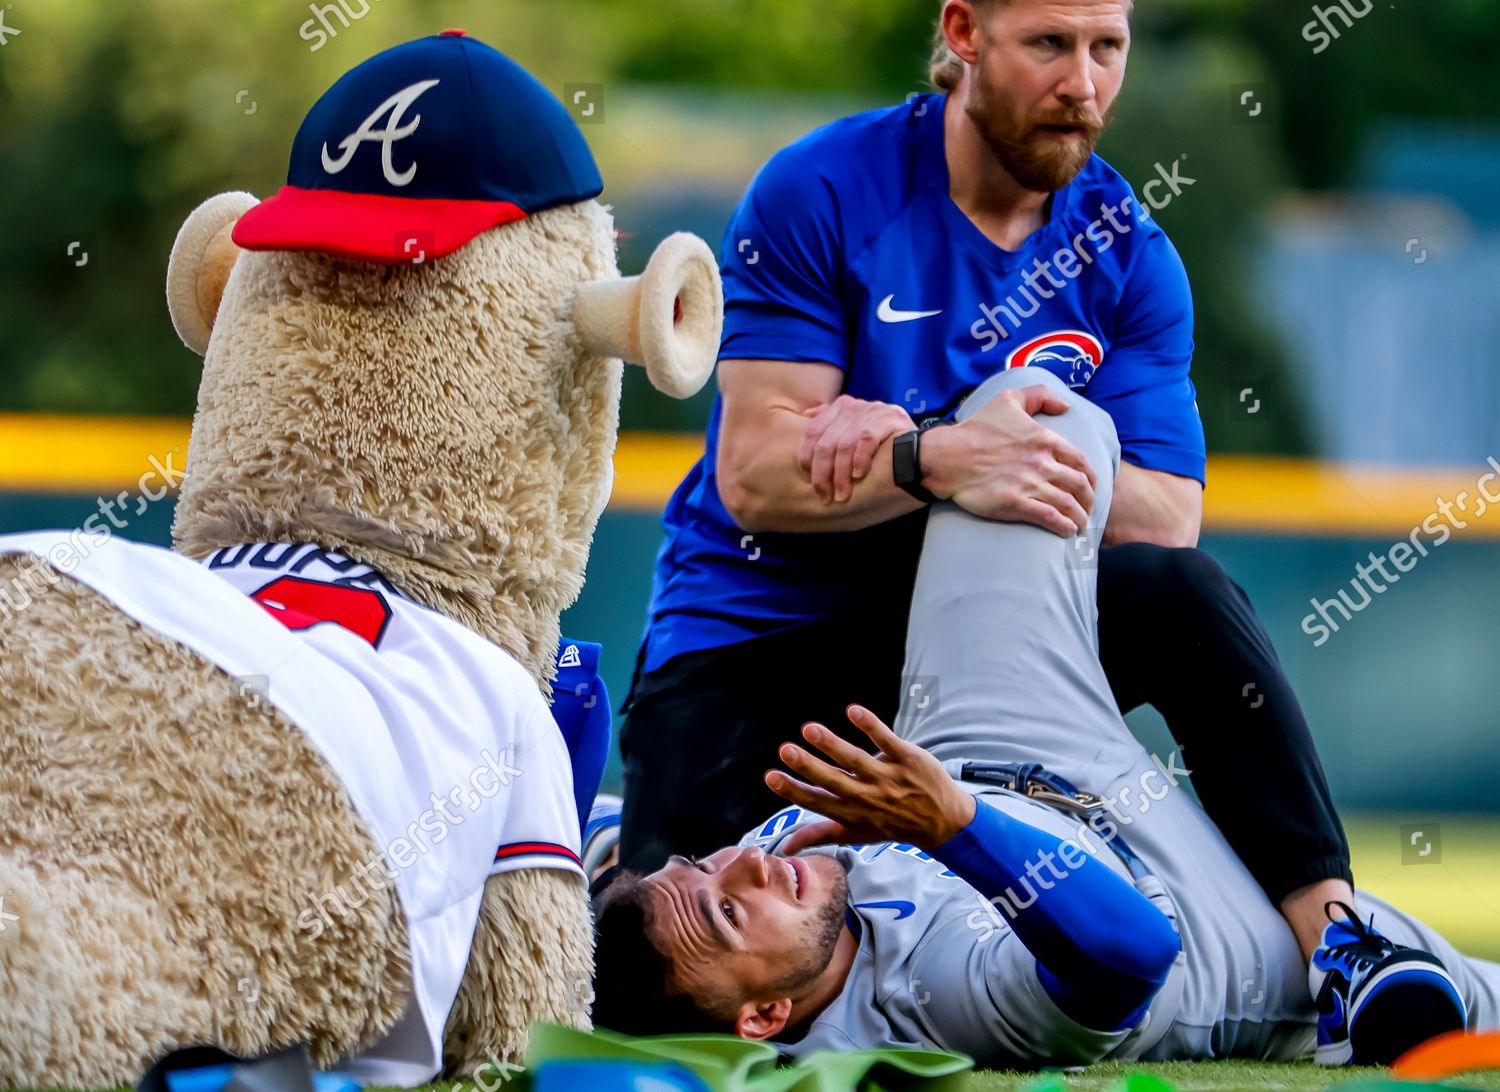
(199, 267)
(669, 318)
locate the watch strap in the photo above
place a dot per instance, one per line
(906, 465)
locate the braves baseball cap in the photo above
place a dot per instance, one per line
(419, 149)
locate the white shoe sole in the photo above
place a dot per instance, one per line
(1334, 1053)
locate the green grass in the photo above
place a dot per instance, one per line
(1233, 1076)
(1190, 1076)
(1184, 1076)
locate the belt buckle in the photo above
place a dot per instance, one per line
(1084, 804)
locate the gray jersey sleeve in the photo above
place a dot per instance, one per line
(774, 831)
(938, 965)
(978, 990)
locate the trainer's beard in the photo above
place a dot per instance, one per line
(822, 939)
(1039, 163)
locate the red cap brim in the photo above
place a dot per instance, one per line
(368, 227)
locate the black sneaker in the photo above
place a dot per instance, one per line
(1377, 999)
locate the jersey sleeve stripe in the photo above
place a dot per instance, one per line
(538, 849)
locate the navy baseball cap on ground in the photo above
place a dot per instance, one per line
(418, 150)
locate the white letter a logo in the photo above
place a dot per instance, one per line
(397, 104)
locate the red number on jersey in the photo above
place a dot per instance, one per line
(301, 604)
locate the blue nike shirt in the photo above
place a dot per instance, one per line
(847, 250)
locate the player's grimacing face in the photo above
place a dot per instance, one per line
(744, 925)
(1046, 77)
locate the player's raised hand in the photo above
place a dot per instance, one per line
(841, 439)
(902, 794)
(1003, 464)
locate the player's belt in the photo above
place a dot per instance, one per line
(1034, 781)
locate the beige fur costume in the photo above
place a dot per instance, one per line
(450, 423)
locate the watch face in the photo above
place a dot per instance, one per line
(904, 466)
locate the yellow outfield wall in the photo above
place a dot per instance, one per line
(71, 455)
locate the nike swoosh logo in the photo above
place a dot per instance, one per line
(903, 909)
(886, 313)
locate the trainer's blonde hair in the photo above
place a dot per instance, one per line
(944, 69)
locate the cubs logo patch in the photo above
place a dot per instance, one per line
(1071, 355)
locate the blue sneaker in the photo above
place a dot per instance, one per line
(1377, 999)
(601, 834)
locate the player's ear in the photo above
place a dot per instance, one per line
(763, 1019)
(202, 258)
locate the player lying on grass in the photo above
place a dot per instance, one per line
(915, 899)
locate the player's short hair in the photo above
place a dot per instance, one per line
(634, 988)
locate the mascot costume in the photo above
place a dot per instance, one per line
(299, 781)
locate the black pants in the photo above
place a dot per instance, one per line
(1174, 631)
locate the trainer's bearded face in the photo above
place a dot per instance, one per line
(1044, 81)
(742, 930)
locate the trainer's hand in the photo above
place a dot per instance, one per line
(1003, 464)
(839, 444)
(902, 794)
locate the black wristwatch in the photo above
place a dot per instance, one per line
(906, 460)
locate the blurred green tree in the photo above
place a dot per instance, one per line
(116, 119)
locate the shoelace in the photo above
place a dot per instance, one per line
(1366, 939)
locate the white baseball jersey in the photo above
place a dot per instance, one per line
(443, 741)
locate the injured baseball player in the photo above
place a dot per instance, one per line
(1012, 876)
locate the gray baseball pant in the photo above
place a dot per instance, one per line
(1002, 665)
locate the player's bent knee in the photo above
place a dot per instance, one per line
(1015, 379)
(1082, 422)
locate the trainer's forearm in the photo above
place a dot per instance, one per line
(1153, 506)
(764, 489)
(1102, 948)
